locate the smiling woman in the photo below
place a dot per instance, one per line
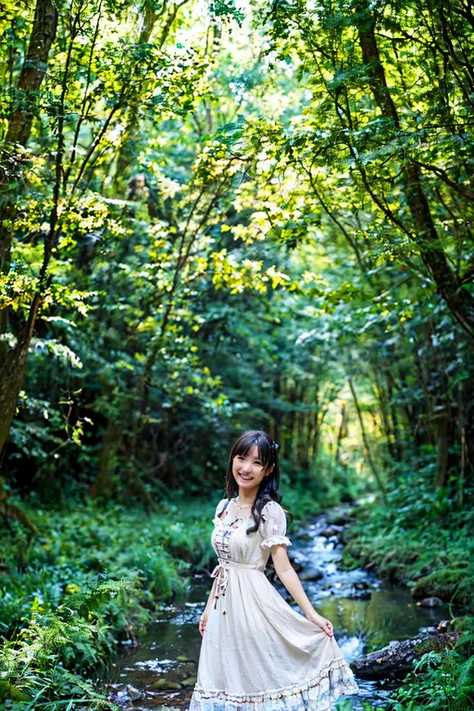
(257, 651)
(248, 469)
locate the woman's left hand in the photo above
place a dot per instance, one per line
(321, 622)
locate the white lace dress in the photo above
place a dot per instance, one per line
(258, 653)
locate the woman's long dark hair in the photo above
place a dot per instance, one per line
(269, 489)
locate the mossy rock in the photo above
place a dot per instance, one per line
(190, 681)
(11, 692)
(166, 685)
(187, 669)
(449, 584)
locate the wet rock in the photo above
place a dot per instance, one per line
(186, 668)
(119, 698)
(133, 693)
(190, 681)
(304, 537)
(312, 574)
(360, 595)
(451, 584)
(331, 531)
(396, 660)
(339, 518)
(360, 591)
(456, 624)
(166, 685)
(430, 602)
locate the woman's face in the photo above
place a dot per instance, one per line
(248, 471)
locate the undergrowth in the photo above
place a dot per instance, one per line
(89, 578)
(420, 538)
(423, 539)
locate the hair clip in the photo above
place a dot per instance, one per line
(275, 445)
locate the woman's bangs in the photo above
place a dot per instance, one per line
(244, 445)
(247, 441)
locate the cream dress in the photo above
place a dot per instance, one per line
(258, 653)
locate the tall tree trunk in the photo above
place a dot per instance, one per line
(442, 447)
(301, 451)
(315, 440)
(12, 374)
(459, 300)
(396, 429)
(291, 418)
(277, 414)
(103, 485)
(466, 417)
(13, 369)
(128, 150)
(341, 433)
(43, 34)
(32, 74)
(383, 407)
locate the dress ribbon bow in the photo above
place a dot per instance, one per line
(221, 572)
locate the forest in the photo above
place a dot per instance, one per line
(217, 217)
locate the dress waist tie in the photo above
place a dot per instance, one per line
(221, 572)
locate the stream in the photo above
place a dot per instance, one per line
(366, 613)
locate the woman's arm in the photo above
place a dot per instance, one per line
(207, 609)
(292, 583)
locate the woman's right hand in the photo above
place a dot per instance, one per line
(321, 622)
(203, 621)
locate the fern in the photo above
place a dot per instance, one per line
(466, 673)
(430, 660)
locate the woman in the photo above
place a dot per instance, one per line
(258, 653)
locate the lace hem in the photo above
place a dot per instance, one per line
(274, 541)
(317, 694)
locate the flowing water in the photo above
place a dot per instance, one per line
(366, 615)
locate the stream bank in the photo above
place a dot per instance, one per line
(367, 614)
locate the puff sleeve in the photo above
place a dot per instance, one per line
(272, 527)
(219, 510)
